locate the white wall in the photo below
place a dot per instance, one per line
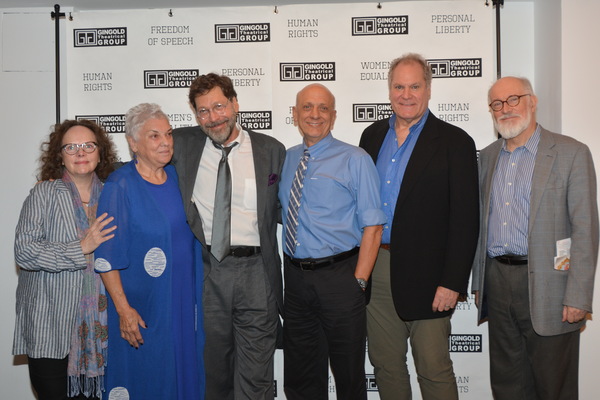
(580, 87)
(516, 32)
(26, 112)
(547, 50)
(562, 41)
(560, 78)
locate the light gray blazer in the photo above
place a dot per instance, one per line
(562, 205)
(50, 258)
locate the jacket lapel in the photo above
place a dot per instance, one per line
(375, 143)
(261, 174)
(193, 154)
(66, 208)
(425, 148)
(488, 166)
(187, 178)
(544, 160)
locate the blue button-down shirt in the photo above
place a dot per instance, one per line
(339, 198)
(509, 203)
(391, 165)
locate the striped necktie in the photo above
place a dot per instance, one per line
(291, 222)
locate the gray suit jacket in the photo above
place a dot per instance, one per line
(562, 205)
(268, 155)
(48, 252)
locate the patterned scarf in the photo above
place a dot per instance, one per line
(87, 354)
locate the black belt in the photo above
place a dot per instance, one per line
(310, 264)
(511, 259)
(241, 251)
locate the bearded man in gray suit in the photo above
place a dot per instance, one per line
(242, 281)
(533, 274)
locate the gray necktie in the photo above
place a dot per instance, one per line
(221, 227)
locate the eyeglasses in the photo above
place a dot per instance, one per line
(512, 101)
(218, 109)
(73, 148)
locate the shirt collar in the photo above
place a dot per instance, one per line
(241, 135)
(318, 147)
(418, 127)
(240, 139)
(532, 144)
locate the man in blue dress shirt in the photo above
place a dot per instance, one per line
(332, 225)
(429, 193)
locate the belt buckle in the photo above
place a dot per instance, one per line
(306, 265)
(242, 251)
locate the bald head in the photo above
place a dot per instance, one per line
(314, 112)
(313, 88)
(514, 82)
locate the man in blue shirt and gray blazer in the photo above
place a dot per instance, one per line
(332, 229)
(534, 270)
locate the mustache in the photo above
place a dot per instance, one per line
(216, 123)
(506, 116)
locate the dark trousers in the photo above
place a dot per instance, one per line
(49, 377)
(325, 320)
(523, 364)
(240, 324)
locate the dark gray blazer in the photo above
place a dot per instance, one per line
(562, 205)
(436, 220)
(268, 154)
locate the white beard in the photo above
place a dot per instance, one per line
(511, 130)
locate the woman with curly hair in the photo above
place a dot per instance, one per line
(61, 304)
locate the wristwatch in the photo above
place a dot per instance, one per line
(362, 283)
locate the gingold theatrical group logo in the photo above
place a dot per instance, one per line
(243, 33)
(255, 119)
(456, 67)
(308, 71)
(112, 123)
(99, 37)
(169, 78)
(465, 343)
(371, 112)
(390, 25)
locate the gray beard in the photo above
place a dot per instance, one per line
(512, 131)
(221, 137)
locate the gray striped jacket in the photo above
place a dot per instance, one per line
(50, 258)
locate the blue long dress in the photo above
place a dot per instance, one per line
(160, 265)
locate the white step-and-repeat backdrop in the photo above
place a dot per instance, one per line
(118, 59)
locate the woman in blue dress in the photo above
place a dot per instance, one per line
(152, 271)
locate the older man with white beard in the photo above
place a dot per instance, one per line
(533, 274)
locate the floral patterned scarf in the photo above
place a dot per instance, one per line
(87, 354)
